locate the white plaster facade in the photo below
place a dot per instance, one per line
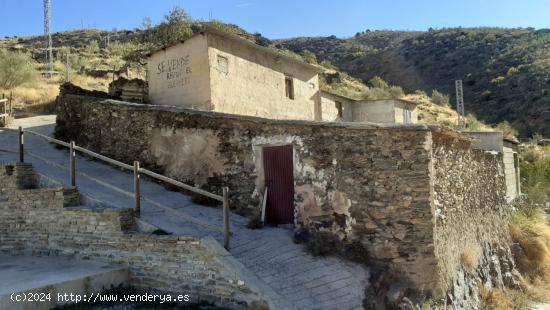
(494, 141)
(215, 71)
(386, 111)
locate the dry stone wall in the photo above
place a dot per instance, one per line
(363, 183)
(472, 216)
(380, 187)
(41, 222)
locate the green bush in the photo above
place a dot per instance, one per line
(375, 94)
(309, 57)
(498, 80)
(507, 129)
(175, 27)
(536, 180)
(396, 92)
(327, 64)
(92, 48)
(378, 82)
(419, 92)
(439, 98)
(16, 69)
(512, 71)
(473, 124)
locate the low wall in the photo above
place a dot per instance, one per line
(38, 222)
(381, 187)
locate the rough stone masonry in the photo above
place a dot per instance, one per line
(49, 221)
(402, 192)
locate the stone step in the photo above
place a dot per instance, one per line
(53, 276)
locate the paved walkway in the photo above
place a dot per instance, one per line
(294, 277)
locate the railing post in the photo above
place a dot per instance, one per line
(72, 162)
(11, 103)
(226, 227)
(136, 189)
(21, 145)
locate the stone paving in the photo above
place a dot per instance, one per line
(290, 275)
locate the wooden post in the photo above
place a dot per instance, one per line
(136, 189)
(72, 162)
(264, 203)
(11, 103)
(226, 227)
(21, 146)
(4, 111)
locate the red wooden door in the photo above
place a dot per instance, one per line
(279, 179)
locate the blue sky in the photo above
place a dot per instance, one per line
(280, 18)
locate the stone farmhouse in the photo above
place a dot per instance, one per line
(227, 112)
(386, 111)
(221, 72)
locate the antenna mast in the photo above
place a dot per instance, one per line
(460, 104)
(48, 35)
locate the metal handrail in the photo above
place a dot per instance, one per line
(137, 170)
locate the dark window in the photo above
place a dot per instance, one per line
(407, 116)
(223, 64)
(339, 108)
(289, 87)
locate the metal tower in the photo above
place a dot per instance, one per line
(460, 104)
(48, 34)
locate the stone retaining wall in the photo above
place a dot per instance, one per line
(379, 187)
(472, 218)
(39, 222)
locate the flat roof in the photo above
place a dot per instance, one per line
(338, 95)
(369, 100)
(233, 37)
(396, 99)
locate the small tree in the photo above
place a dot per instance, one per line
(15, 69)
(175, 27)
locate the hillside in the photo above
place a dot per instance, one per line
(505, 71)
(93, 55)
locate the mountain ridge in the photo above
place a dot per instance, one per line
(505, 71)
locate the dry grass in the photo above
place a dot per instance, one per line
(91, 83)
(433, 114)
(43, 92)
(531, 231)
(471, 256)
(37, 93)
(499, 299)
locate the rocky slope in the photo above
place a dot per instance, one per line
(505, 71)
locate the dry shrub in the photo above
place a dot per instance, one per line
(499, 299)
(531, 231)
(91, 83)
(470, 256)
(38, 93)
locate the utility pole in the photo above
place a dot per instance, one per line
(460, 105)
(48, 34)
